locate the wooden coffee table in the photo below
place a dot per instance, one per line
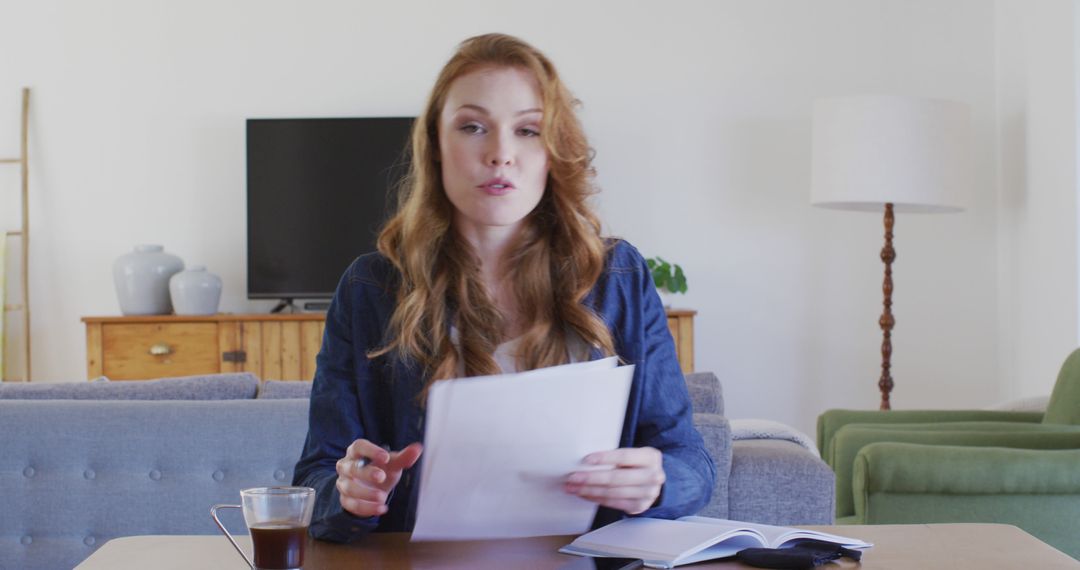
(923, 547)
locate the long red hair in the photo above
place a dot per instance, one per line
(558, 257)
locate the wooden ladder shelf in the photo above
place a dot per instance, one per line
(24, 234)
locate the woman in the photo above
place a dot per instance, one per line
(493, 263)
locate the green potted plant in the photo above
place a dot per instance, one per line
(668, 278)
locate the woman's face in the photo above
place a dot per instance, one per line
(494, 164)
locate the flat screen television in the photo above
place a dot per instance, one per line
(318, 190)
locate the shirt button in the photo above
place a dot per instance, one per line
(279, 475)
(28, 472)
(26, 540)
(155, 475)
(89, 541)
(218, 475)
(89, 474)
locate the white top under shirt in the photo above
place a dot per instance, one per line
(505, 354)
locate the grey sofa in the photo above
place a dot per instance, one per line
(83, 463)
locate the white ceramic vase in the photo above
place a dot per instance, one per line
(195, 291)
(142, 280)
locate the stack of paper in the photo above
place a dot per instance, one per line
(497, 450)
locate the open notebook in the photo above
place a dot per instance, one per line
(665, 543)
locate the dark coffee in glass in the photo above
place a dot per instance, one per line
(278, 546)
(278, 519)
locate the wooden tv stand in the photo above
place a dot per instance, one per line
(273, 347)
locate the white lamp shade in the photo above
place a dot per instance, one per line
(870, 150)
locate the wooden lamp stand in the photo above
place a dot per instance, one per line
(888, 255)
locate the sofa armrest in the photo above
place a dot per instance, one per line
(832, 420)
(851, 438)
(1037, 490)
(716, 431)
(779, 482)
(706, 393)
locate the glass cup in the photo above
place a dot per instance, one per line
(278, 520)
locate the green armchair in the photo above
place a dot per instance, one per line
(926, 466)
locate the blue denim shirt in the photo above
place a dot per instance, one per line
(355, 397)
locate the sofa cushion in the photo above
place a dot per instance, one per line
(715, 431)
(284, 389)
(236, 386)
(778, 482)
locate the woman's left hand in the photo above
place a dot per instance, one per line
(632, 486)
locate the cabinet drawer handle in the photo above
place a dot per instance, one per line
(160, 349)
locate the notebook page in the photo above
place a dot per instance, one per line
(777, 536)
(659, 539)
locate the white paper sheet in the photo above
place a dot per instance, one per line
(498, 448)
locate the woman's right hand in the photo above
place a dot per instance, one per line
(364, 488)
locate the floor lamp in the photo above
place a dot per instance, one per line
(875, 153)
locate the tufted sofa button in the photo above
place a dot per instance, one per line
(155, 475)
(26, 540)
(89, 541)
(279, 475)
(218, 475)
(28, 472)
(89, 474)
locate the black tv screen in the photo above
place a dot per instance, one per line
(318, 190)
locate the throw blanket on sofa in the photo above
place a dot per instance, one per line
(768, 429)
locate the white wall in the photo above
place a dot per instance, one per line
(699, 111)
(1037, 206)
